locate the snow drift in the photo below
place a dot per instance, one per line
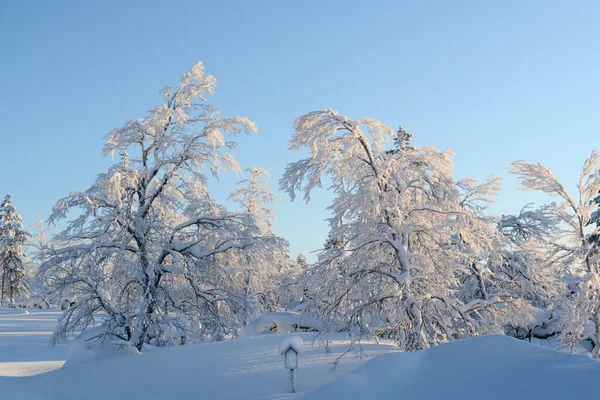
(279, 321)
(250, 368)
(288, 322)
(85, 349)
(484, 368)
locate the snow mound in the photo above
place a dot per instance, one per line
(85, 349)
(274, 322)
(487, 368)
(295, 342)
(289, 322)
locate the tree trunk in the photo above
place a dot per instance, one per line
(3, 282)
(596, 349)
(415, 340)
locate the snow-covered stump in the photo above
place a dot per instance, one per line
(290, 348)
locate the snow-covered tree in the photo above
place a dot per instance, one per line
(12, 259)
(530, 235)
(410, 253)
(253, 195)
(149, 248)
(260, 272)
(570, 250)
(41, 236)
(490, 271)
(294, 288)
(301, 262)
(594, 236)
(524, 259)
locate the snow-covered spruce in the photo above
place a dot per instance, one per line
(13, 237)
(148, 246)
(594, 222)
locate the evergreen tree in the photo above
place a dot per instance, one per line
(301, 262)
(12, 258)
(594, 237)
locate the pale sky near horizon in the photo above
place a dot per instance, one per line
(494, 81)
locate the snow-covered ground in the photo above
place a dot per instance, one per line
(248, 368)
(484, 368)
(24, 339)
(491, 368)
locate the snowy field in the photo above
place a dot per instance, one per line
(483, 368)
(249, 368)
(24, 339)
(491, 368)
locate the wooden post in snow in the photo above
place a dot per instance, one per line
(293, 380)
(290, 348)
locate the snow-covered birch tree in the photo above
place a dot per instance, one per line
(260, 273)
(570, 250)
(148, 247)
(404, 239)
(254, 196)
(490, 288)
(531, 234)
(12, 259)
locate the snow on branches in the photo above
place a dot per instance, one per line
(148, 247)
(13, 237)
(412, 255)
(570, 247)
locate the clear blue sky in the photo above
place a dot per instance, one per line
(494, 81)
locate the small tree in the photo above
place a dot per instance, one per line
(260, 273)
(301, 262)
(12, 258)
(570, 249)
(253, 195)
(41, 239)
